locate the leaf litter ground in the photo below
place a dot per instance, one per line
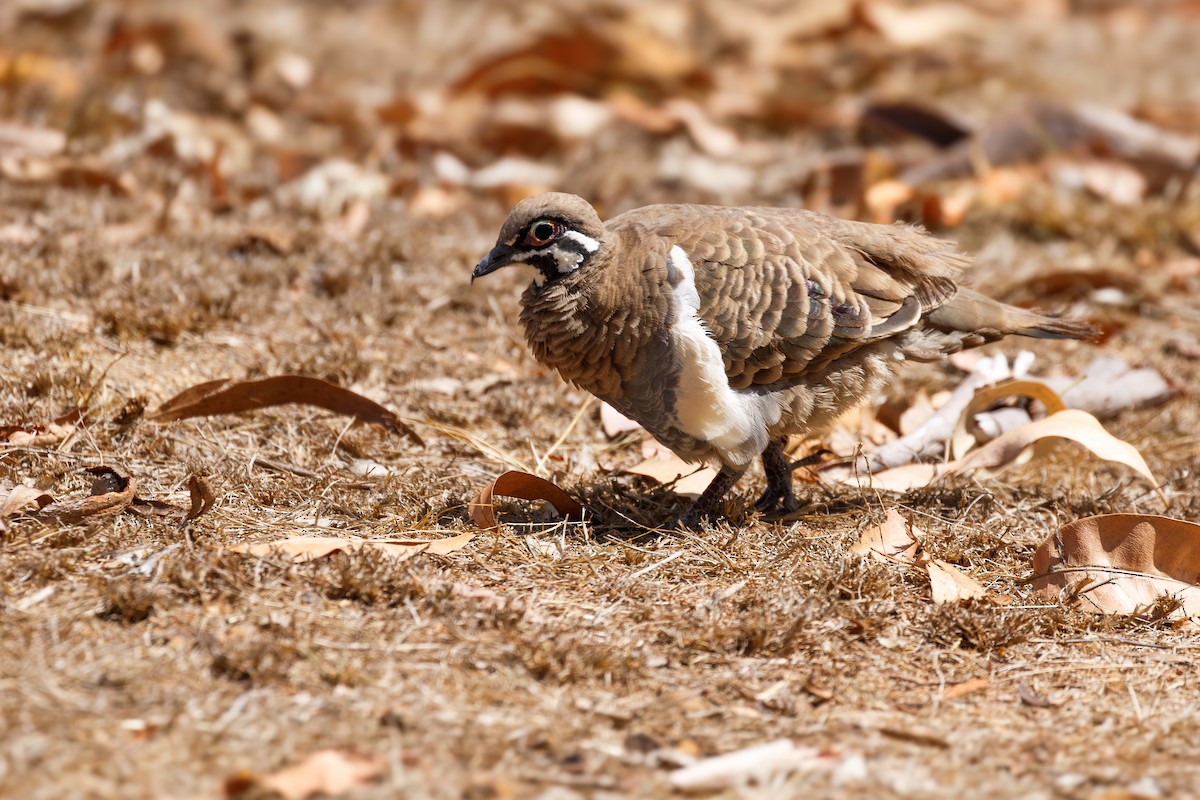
(142, 656)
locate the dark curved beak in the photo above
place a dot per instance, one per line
(501, 256)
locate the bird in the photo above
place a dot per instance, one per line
(723, 330)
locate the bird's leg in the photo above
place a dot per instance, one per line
(779, 480)
(779, 495)
(710, 498)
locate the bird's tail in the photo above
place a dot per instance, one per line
(969, 312)
(1050, 326)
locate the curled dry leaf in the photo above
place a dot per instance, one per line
(1122, 563)
(967, 431)
(523, 486)
(1078, 426)
(310, 548)
(893, 120)
(202, 499)
(112, 492)
(1044, 127)
(227, 396)
(928, 441)
(149, 507)
(202, 496)
(325, 773)
(893, 540)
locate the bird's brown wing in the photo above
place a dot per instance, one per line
(785, 293)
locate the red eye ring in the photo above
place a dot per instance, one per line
(542, 232)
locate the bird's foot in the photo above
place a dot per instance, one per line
(709, 501)
(779, 481)
(689, 520)
(778, 498)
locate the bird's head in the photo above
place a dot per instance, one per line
(554, 233)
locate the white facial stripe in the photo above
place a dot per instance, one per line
(589, 244)
(525, 256)
(735, 423)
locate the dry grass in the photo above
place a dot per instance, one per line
(140, 658)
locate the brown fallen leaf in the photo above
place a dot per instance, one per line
(947, 583)
(20, 498)
(150, 507)
(46, 434)
(893, 540)
(1122, 563)
(227, 396)
(202, 496)
(1061, 287)
(524, 486)
(310, 548)
(897, 479)
(325, 773)
(112, 491)
(916, 736)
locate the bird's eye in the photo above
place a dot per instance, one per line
(542, 231)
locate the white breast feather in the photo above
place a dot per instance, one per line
(734, 422)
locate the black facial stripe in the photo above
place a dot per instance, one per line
(544, 263)
(568, 245)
